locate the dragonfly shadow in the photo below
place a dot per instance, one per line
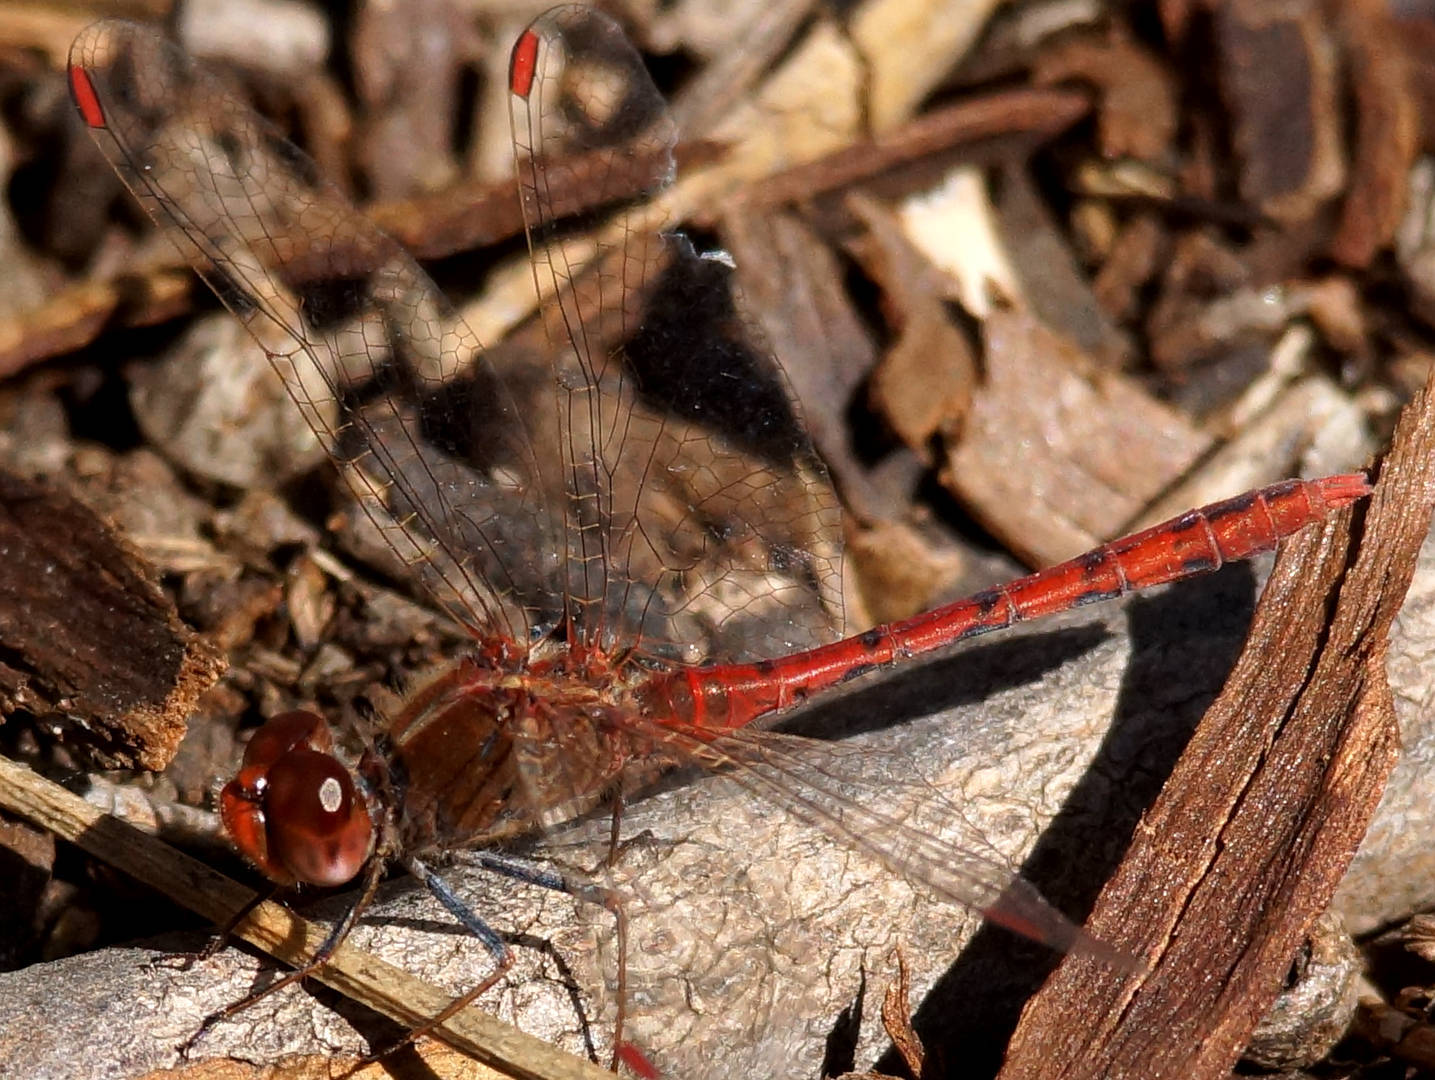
(1184, 643)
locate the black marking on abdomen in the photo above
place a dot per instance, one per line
(1096, 596)
(857, 672)
(988, 600)
(1200, 564)
(1238, 504)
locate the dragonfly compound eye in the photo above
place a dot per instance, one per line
(293, 810)
(285, 732)
(317, 826)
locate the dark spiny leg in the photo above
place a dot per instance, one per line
(321, 956)
(598, 895)
(615, 829)
(503, 956)
(222, 935)
(620, 920)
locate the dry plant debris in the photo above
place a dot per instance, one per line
(1037, 272)
(96, 652)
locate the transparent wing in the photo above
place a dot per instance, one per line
(390, 379)
(909, 829)
(731, 891)
(699, 523)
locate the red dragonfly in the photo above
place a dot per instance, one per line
(638, 537)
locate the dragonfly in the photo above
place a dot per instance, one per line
(635, 533)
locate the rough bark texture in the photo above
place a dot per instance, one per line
(92, 647)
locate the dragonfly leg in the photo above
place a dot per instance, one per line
(521, 870)
(322, 955)
(615, 829)
(183, 961)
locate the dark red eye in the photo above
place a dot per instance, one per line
(319, 829)
(288, 731)
(293, 809)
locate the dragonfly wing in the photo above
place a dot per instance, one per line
(912, 830)
(699, 522)
(391, 380)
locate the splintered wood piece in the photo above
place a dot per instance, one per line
(75, 315)
(791, 284)
(473, 214)
(1033, 115)
(926, 379)
(1138, 116)
(1254, 829)
(93, 648)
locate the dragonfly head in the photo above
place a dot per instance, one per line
(293, 809)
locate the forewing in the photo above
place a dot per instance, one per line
(699, 524)
(391, 380)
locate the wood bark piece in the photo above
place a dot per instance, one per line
(1417, 36)
(75, 315)
(1395, 1032)
(791, 285)
(908, 46)
(1252, 833)
(969, 126)
(731, 73)
(92, 647)
(408, 65)
(1387, 135)
(1133, 260)
(927, 376)
(1279, 76)
(1056, 287)
(471, 214)
(1138, 116)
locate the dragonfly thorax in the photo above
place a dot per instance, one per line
(482, 754)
